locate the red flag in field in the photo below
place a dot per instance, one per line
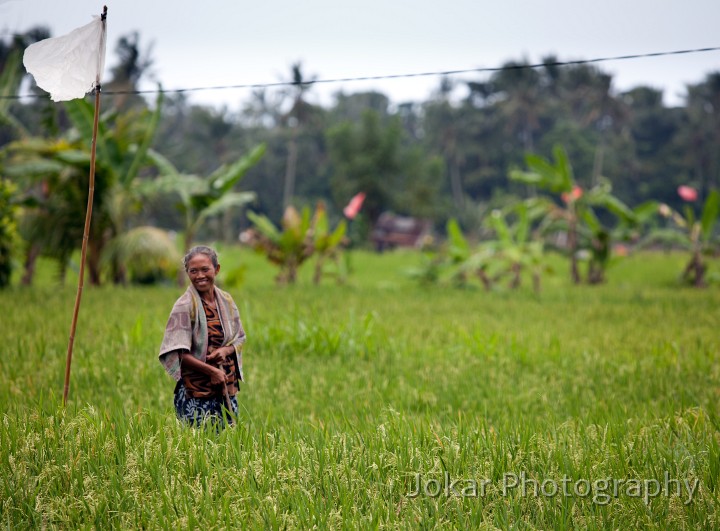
(68, 67)
(353, 207)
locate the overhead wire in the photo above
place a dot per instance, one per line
(510, 66)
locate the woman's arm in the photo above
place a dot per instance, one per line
(216, 374)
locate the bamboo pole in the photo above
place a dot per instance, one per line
(83, 253)
(86, 234)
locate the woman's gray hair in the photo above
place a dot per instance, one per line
(201, 249)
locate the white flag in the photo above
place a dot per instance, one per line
(67, 67)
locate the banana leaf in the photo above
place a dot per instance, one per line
(264, 226)
(226, 177)
(710, 212)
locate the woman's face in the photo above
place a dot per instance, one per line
(202, 273)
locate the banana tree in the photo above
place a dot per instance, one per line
(697, 233)
(599, 236)
(463, 261)
(457, 260)
(515, 248)
(573, 210)
(202, 197)
(327, 244)
(288, 246)
(52, 224)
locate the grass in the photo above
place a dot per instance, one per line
(354, 390)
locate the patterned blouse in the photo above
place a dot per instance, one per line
(197, 384)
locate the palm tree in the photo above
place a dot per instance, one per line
(441, 121)
(126, 75)
(295, 119)
(587, 92)
(261, 111)
(702, 134)
(520, 88)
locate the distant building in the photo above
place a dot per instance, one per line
(392, 231)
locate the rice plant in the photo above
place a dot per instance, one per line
(374, 404)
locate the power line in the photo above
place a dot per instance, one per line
(406, 75)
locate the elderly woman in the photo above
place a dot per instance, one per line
(202, 346)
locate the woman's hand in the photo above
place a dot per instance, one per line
(218, 377)
(219, 354)
(216, 374)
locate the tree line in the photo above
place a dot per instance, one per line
(448, 157)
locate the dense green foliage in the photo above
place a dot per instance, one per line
(8, 230)
(449, 157)
(440, 158)
(353, 390)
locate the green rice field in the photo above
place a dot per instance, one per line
(377, 404)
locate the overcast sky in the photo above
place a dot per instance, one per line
(212, 42)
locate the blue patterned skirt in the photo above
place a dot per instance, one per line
(196, 411)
